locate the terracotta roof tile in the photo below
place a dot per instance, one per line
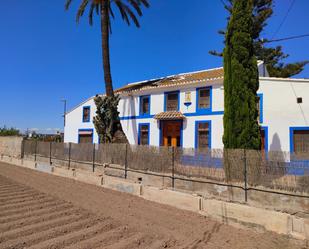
(181, 79)
(170, 115)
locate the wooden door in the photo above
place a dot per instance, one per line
(263, 140)
(263, 143)
(171, 133)
(85, 139)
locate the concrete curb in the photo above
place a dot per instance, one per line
(256, 217)
(121, 185)
(227, 212)
(173, 198)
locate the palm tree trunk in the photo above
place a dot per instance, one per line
(105, 48)
(117, 133)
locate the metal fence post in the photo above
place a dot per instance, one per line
(226, 165)
(93, 157)
(245, 175)
(173, 167)
(35, 149)
(126, 163)
(69, 155)
(22, 154)
(50, 153)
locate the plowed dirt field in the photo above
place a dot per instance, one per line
(38, 210)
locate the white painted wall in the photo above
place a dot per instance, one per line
(217, 98)
(74, 122)
(216, 130)
(280, 112)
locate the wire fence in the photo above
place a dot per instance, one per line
(245, 169)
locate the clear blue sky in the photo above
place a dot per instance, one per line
(45, 56)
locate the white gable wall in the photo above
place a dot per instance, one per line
(74, 122)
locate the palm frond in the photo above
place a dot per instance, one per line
(136, 6)
(94, 8)
(81, 10)
(131, 14)
(129, 9)
(67, 4)
(91, 10)
(111, 11)
(127, 13)
(145, 3)
(139, 3)
(123, 13)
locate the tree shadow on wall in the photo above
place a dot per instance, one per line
(276, 166)
(129, 107)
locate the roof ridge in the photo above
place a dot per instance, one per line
(200, 71)
(172, 75)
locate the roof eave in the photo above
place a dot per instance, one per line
(210, 81)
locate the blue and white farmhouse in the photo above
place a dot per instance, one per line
(187, 110)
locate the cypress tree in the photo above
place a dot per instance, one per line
(241, 82)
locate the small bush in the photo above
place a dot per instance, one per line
(9, 132)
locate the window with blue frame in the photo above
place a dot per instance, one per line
(172, 101)
(299, 147)
(85, 136)
(203, 99)
(301, 141)
(86, 114)
(203, 135)
(144, 106)
(143, 134)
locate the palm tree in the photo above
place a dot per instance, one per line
(104, 9)
(107, 121)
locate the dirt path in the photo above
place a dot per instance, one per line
(38, 210)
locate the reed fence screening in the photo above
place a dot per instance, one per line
(239, 168)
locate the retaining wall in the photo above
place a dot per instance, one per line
(11, 146)
(284, 202)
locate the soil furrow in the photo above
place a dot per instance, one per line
(8, 195)
(36, 213)
(99, 239)
(18, 196)
(132, 241)
(75, 236)
(24, 204)
(14, 191)
(22, 222)
(53, 232)
(21, 191)
(20, 200)
(5, 182)
(157, 244)
(16, 200)
(12, 188)
(39, 227)
(111, 240)
(28, 209)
